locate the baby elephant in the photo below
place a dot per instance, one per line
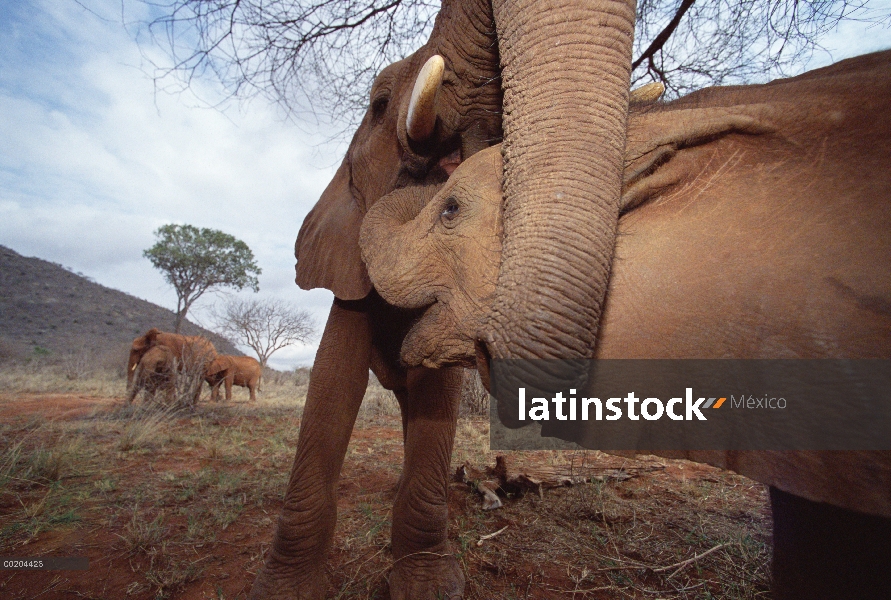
(153, 373)
(243, 371)
(716, 258)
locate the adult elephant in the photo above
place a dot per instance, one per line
(191, 354)
(229, 370)
(756, 234)
(154, 372)
(547, 77)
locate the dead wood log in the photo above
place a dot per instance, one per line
(495, 481)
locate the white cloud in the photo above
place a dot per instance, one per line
(93, 159)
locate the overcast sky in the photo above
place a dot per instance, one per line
(93, 159)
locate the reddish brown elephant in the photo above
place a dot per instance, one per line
(191, 354)
(229, 370)
(154, 373)
(549, 77)
(757, 226)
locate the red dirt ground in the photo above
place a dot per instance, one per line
(509, 565)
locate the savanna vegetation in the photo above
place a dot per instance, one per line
(181, 503)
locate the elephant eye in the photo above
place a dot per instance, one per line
(450, 211)
(379, 106)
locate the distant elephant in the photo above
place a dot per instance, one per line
(153, 373)
(190, 353)
(766, 238)
(243, 371)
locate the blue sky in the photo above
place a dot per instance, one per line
(93, 158)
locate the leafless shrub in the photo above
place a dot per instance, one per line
(265, 326)
(188, 379)
(301, 376)
(80, 364)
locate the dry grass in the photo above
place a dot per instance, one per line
(378, 402)
(629, 531)
(67, 375)
(183, 501)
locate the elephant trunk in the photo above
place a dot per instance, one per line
(132, 363)
(566, 72)
(388, 228)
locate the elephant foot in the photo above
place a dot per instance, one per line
(426, 576)
(283, 584)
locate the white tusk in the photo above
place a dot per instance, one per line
(421, 117)
(647, 93)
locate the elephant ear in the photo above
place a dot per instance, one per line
(150, 336)
(327, 247)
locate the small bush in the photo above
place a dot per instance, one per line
(188, 381)
(141, 534)
(147, 427)
(378, 401)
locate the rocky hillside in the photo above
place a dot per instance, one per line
(46, 310)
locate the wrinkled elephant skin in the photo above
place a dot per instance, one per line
(494, 55)
(757, 226)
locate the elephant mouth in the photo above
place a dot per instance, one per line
(425, 345)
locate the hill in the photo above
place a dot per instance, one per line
(48, 310)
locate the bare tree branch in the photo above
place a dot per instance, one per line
(265, 326)
(322, 55)
(720, 42)
(663, 35)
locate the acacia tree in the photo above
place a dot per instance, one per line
(265, 326)
(323, 54)
(196, 260)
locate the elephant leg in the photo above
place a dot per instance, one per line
(228, 389)
(252, 388)
(425, 567)
(133, 390)
(822, 551)
(295, 566)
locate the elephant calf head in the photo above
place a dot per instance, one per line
(440, 247)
